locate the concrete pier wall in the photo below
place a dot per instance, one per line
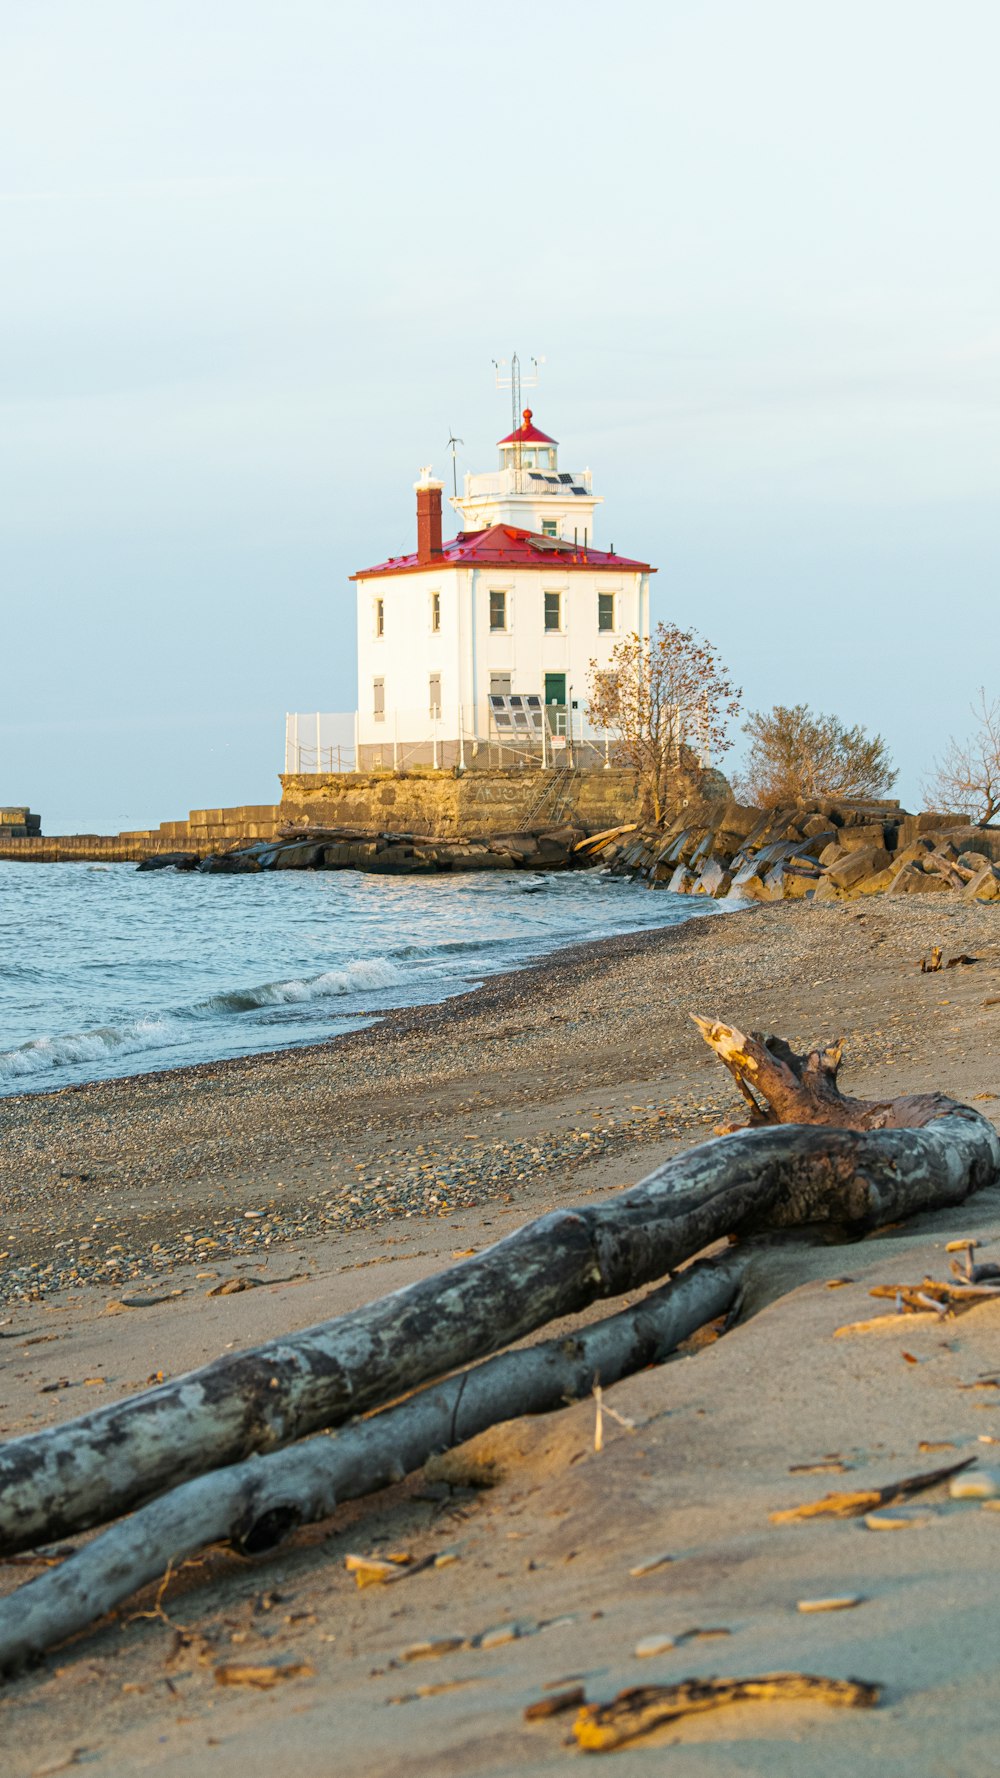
(427, 802)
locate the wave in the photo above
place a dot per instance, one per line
(159, 1030)
(99, 1045)
(455, 947)
(370, 973)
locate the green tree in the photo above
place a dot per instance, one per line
(797, 754)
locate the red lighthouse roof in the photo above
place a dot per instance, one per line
(507, 546)
(527, 433)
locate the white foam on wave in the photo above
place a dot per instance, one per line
(372, 972)
(156, 1031)
(99, 1045)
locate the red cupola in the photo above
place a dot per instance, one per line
(527, 433)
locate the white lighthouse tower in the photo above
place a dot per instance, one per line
(530, 491)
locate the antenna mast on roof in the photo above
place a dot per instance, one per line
(508, 376)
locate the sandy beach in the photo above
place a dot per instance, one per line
(334, 1174)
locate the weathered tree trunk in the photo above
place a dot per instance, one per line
(804, 1089)
(256, 1503)
(58, 1482)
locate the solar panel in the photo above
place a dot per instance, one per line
(578, 490)
(520, 712)
(564, 477)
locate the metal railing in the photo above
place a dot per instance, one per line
(321, 742)
(445, 738)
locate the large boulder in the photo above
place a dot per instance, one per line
(911, 880)
(848, 871)
(301, 855)
(751, 887)
(518, 846)
(915, 852)
(814, 844)
(229, 864)
(911, 826)
(985, 886)
(856, 839)
(170, 861)
(878, 884)
(713, 879)
(798, 880)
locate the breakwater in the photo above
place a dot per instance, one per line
(472, 805)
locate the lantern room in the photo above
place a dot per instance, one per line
(528, 448)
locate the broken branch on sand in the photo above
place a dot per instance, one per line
(600, 1728)
(864, 1500)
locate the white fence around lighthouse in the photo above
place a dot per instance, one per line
(510, 735)
(321, 742)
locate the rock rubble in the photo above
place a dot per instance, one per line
(397, 854)
(822, 851)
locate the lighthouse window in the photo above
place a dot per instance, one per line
(498, 611)
(435, 612)
(378, 699)
(380, 617)
(553, 611)
(605, 611)
(550, 527)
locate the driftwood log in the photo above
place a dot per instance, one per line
(804, 1090)
(91, 1470)
(256, 1503)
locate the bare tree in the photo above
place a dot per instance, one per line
(795, 754)
(660, 696)
(966, 779)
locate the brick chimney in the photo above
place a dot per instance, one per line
(428, 518)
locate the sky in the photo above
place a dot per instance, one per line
(257, 257)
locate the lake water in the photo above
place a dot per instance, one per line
(105, 971)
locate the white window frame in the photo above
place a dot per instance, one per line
(504, 593)
(553, 528)
(435, 614)
(614, 595)
(378, 618)
(554, 592)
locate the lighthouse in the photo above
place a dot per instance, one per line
(484, 641)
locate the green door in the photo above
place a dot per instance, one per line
(555, 688)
